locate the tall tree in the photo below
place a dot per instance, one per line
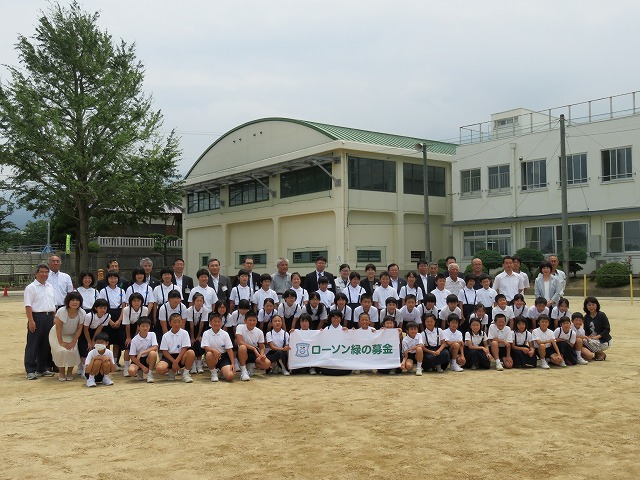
(6, 225)
(80, 135)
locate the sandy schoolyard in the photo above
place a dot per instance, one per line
(573, 423)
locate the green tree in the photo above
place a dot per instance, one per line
(81, 136)
(162, 245)
(490, 258)
(577, 256)
(530, 257)
(6, 226)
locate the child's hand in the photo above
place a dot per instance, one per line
(127, 342)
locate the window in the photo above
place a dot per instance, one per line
(616, 164)
(204, 259)
(308, 256)
(258, 258)
(248, 192)
(576, 169)
(548, 239)
(202, 201)
(470, 180)
(369, 255)
(374, 175)
(417, 255)
(499, 177)
(308, 180)
(413, 178)
(503, 122)
(498, 240)
(534, 174)
(623, 237)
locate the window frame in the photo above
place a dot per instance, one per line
(412, 176)
(534, 168)
(291, 182)
(623, 241)
(372, 175)
(246, 189)
(500, 176)
(628, 164)
(471, 180)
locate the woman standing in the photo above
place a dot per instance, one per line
(547, 285)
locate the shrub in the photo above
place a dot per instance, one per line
(93, 247)
(530, 257)
(490, 258)
(612, 274)
(442, 265)
(577, 256)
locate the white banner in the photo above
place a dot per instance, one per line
(345, 349)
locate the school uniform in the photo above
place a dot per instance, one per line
(347, 314)
(210, 297)
(533, 315)
(89, 295)
(505, 334)
(253, 282)
(219, 341)
(451, 336)
(173, 343)
(484, 321)
(91, 355)
(476, 357)
(279, 339)
(302, 296)
(405, 316)
(196, 319)
(165, 311)
(130, 320)
(327, 297)
(521, 359)
(252, 337)
(353, 295)
(508, 285)
(264, 318)
(288, 313)
(445, 312)
(381, 294)
(441, 297)
(507, 312)
(139, 344)
(143, 289)
(396, 316)
(370, 285)
(469, 299)
(407, 290)
(115, 297)
(432, 340)
(566, 346)
(92, 322)
(317, 314)
(240, 293)
(556, 314)
(408, 342)
(542, 338)
(161, 293)
(261, 295)
(373, 315)
(487, 296)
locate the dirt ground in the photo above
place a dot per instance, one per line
(577, 422)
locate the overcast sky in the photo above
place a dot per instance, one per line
(419, 68)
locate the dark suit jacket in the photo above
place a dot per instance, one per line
(311, 282)
(153, 282)
(401, 283)
(368, 286)
(431, 284)
(187, 286)
(223, 293)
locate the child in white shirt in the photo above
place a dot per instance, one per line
(455, 342)
(500, 337)
(545, 342)
(412, 351)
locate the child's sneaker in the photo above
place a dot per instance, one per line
(91, 381)
(106, 380)
(456, 368)
(214, 375)
(172, 376)
(419, 371)
(439, 369)
(150, 377)
(244, 376)
(312, 371)
(186, 376)
(499, 366)
(563, 364)
(251, 368)
(582, 361)
(194, 369)
(140, 375)
(544, 364)
(199, 367)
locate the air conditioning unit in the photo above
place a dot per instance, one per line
(594, 244)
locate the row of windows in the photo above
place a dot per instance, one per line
(364, 174)
(616, 165)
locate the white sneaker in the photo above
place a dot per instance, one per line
(80, 370)
(150, 377)
(199, 367)
(106, 380)
(171, 376)
(474, 367)
(186, 377)
(125, 372)
(582, 361)
(214, 375)
(194, 369)
(456, 368)
(285, 372)
(419, 371)
(499, 366)
(244, 376)
(439, 369)
(312, 371)
(563, 364)
(91, 382)
(140, 375)
(251, 368)
(544, 364)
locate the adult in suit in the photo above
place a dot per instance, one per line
(370, 282)
(254, 278)
(394, 273)
(147, 265)
(220, 283)
(184, 282)
(427, 273)
(311, 279)
(112, 265)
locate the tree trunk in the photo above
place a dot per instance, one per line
(82, 241)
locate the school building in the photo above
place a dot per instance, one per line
(281, 187)
(506, 182)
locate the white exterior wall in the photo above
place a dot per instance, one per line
(595, 202)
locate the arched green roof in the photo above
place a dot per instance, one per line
(335, 132)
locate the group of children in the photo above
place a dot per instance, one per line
(158, 333)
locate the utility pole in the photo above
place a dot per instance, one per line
(425, 185)
(563, 189)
